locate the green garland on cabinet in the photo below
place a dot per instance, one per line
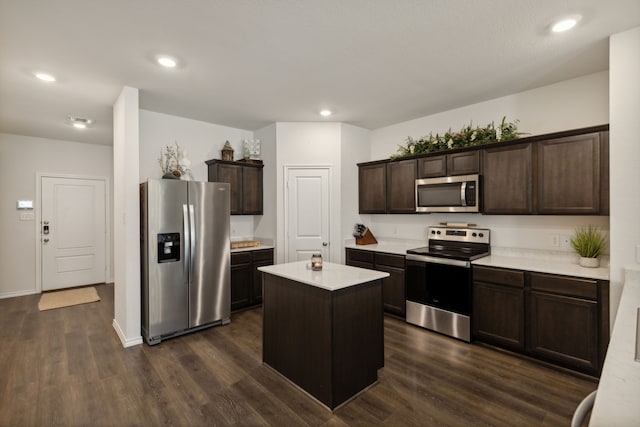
(467, 137)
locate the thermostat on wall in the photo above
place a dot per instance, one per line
(25, 204)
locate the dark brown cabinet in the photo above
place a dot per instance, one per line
(498, 307)
(387, 187)
(559, 319)
(393, 288)
(246, 280)
(462, 163)
(245, 180)
(569, 171)
(401, 180)
(372, 188)
(507, 179)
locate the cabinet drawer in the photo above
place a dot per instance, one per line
(390, 260)
(499, 276)
(263, 255)
(581, 288)
(240, 258)
(360, 256)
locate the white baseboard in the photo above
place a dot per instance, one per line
(126, 342)
(18, 293)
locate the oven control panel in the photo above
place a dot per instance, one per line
(469, 235)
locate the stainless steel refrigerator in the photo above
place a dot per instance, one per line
(185, 256)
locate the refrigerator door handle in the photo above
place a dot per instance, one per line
(186, 263)
(192, 241)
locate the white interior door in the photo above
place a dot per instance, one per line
(73, 241)
(307, 207)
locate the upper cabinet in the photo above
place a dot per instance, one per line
(401, 181)
(245, 180)
(507, 180)
(569, 175)
(387, 187)
(372, 188)
(565, 173)
(462, 163)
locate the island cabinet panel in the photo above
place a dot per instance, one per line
(569, 175)
(330, 343)
(393, 287)
(507, 179)
(401, 180)
(372, 188)
(246, 280)
(499, 307)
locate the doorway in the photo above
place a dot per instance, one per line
(72, 234)
(307, 219)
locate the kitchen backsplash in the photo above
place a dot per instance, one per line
(548, 233)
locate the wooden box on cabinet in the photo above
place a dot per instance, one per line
(245, 180)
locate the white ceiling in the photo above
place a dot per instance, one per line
(248, 63)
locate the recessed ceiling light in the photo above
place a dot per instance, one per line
(79, 122)
(46, 77)
(325, 113)
(565, 24)
(167, 61)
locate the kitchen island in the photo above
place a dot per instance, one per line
(323, 330)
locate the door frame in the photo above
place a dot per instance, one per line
(288, 168)
(38, 222)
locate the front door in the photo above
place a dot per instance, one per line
(72, 232)
(307, 207)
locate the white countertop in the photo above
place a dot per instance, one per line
(618, 398)
(398, 247)
(544, 265)
(332, 276)
(252, 248)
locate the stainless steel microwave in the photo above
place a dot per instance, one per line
(448, 194)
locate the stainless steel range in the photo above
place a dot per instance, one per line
(438, 279)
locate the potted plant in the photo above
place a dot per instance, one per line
(589, 243)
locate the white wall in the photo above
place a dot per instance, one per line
(126, 214)
(624, 96)
(309, 144)
(571, 104)
(354, 147)
(201, 140)
(265, 224)
(21, 158)
(562, 106)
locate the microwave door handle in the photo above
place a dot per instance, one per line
(463, 194)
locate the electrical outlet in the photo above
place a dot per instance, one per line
(555, 241)
(565, 242)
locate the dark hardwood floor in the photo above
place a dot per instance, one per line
(67, 367)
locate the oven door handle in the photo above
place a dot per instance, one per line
(436, 260)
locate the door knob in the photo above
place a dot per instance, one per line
(46, 240)
(325, 244)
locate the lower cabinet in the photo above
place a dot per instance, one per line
(559, 319)
(393, 290)
(246, 280)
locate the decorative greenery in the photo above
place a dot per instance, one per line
(174, 160)
(467, 137)
(588, 242)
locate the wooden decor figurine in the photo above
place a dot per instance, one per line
(363, 235)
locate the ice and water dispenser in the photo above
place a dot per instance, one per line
(168, 247)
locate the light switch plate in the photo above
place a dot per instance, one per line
(27, 216)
